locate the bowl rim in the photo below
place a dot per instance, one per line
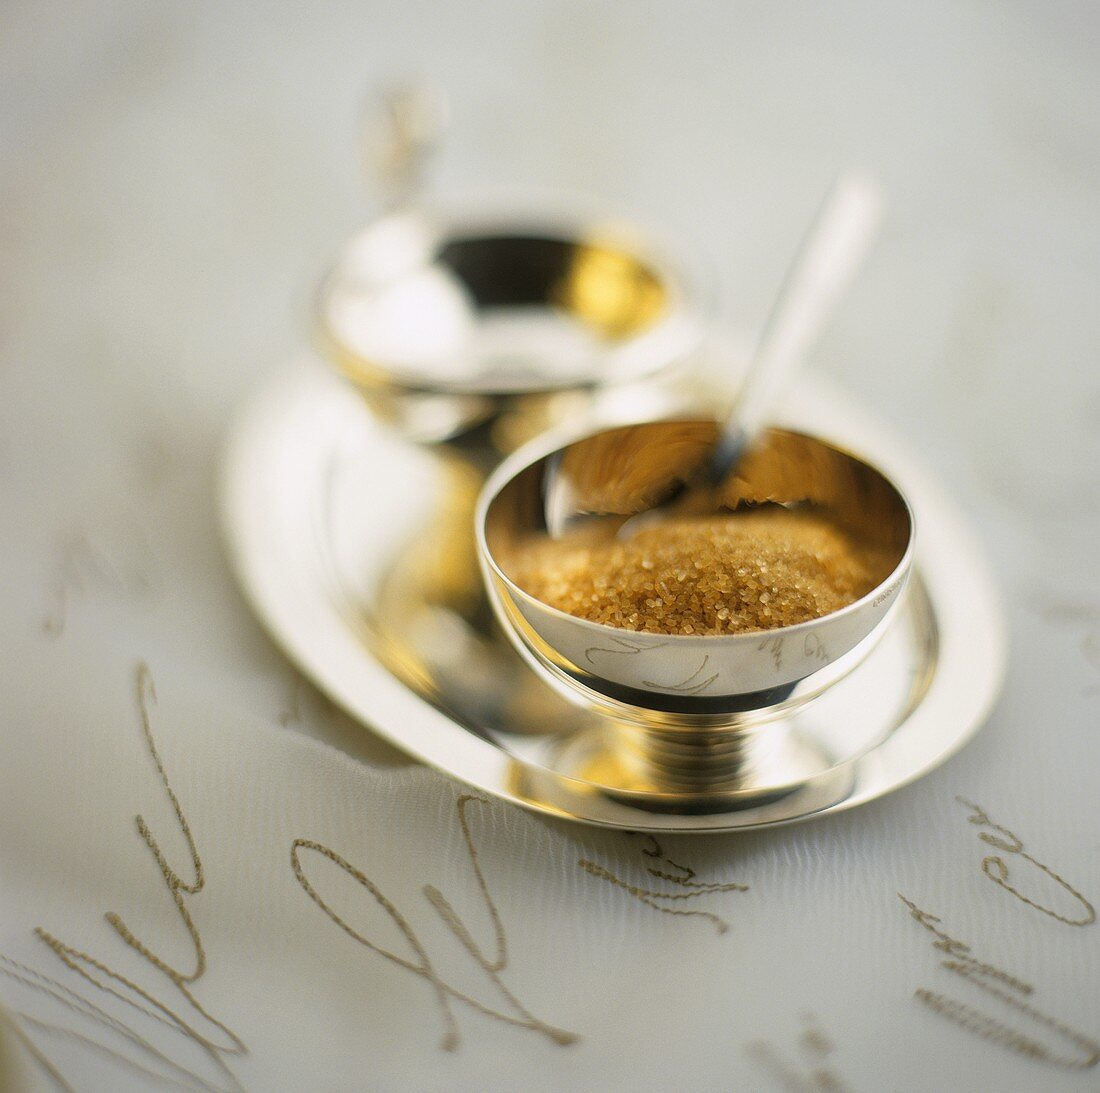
(545, 446)
(687, 275)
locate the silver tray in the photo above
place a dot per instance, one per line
(355, 549)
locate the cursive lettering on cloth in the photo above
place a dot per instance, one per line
(1009, 991)
(420, 964)
(213, 1037)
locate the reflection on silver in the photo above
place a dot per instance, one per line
(328, 517)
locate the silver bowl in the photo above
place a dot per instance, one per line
(448, 321)
(695, 681)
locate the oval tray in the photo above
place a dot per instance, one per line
(354, 549)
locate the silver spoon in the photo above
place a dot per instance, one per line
(605, 476)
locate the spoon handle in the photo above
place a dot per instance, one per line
(822, 268)
(405, 126)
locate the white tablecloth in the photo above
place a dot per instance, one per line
(173, 180)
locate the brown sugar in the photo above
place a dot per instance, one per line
(728, 574)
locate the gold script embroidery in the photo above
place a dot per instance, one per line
(995, 868)
(422, 966)
(1081, 614)
(125, 990)
(815, 1047)
(79, 566)
(998, 983)
(683, 878)
(292, 711)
